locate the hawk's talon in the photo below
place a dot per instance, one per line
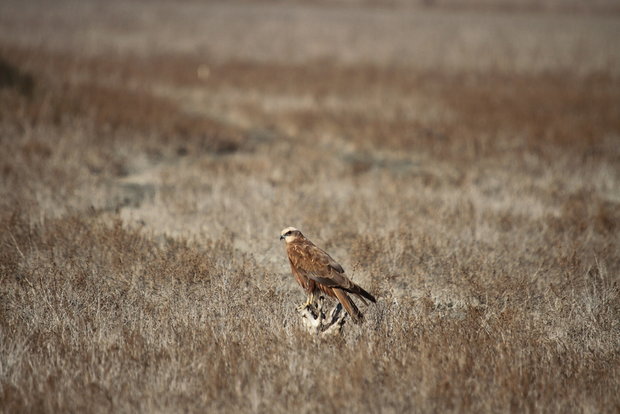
(309, 302)
(303, 306)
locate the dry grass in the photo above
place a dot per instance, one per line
(142, 196)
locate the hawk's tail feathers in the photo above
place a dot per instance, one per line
(361, 293)
(349, 305)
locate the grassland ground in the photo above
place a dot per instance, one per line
(462, 164)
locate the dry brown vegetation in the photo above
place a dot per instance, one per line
(143, 192)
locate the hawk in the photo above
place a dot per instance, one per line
(317, 272)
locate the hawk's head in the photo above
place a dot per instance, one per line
(289, 234)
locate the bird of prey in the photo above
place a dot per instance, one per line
(317, 272)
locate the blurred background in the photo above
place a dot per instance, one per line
(292, 99)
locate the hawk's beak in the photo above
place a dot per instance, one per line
(281, 237)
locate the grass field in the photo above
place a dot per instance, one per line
(461, 161)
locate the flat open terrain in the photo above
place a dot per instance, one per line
(461, 160)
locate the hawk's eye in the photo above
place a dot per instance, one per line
(288, 233)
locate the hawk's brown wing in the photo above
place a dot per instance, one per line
(317, 265)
